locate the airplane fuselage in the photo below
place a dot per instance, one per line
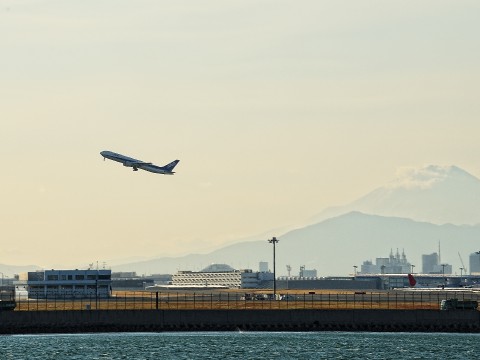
(138, 164)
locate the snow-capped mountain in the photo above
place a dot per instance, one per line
(435, 194)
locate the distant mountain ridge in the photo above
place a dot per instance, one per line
(414, 212)
(10, 270)
(333, 246)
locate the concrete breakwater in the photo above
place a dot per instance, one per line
(31, 322)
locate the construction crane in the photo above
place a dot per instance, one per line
(463, 265)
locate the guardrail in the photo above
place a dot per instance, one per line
(145, 300)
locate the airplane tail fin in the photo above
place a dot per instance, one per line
(411, 280)
(170, 166)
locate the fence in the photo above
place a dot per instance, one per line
(144, 300)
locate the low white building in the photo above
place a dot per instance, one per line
(66, 283)
(220, 275)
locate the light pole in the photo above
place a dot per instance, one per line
(2, 278)
(443, 274)
(354, 271)
(461, 272)
(289, 268)
(412, 267)
(274, 241)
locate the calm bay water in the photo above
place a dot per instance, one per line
(246, 345)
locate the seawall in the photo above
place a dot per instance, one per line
(29, 322)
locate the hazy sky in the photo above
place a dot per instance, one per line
(276, 109)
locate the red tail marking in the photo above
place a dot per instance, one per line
(412, 280)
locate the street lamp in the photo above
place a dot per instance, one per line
(443, 274)
(289, 268)
(274, 241)
(412, 267)
(354, 271)
(461, 272)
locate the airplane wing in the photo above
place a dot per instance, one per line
(138, 163)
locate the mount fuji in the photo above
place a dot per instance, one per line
(434, 194)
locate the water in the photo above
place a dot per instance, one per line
(246, 345)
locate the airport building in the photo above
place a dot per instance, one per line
(263, 266)
(394, 264)
(66, 283)
(307, 273)
(474, 263)
(430, 265)
(398, 264)
(221, 275)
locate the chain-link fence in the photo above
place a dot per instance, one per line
(145, 300)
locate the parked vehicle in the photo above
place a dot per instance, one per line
(455, 304)
(7, 298)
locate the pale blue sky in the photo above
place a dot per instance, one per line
(276, 109)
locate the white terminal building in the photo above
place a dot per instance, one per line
(66, 283)
(220, 275)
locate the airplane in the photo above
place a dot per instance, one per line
(414, 285)
(138, 164)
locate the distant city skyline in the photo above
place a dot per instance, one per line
(276, 110)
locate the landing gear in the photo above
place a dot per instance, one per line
(135, 169)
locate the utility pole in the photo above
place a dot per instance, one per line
(274, 241)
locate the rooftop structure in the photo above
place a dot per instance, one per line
(217, 268)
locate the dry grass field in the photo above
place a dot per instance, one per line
(229, 300)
